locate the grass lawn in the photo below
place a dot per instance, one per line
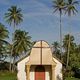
(6, 75)
(69, 78)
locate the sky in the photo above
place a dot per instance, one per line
(40, 21)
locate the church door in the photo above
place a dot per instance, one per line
(39, 73)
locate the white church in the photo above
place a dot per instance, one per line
(40, 64)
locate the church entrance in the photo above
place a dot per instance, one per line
(40, 73)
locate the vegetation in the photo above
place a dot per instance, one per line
(59, 5)
(3, 35)
(67, 49)
(70, 56)
(73, 69)
(71, 9)
(13, 16)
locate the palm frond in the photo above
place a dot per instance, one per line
(14, 15)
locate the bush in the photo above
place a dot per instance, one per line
(4, 66)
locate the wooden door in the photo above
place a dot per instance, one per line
(39, 73)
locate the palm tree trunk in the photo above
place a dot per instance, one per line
(13, 65)
(13, 69)
(10, 63)
(10, 68)
(68, 52)
(60, 34)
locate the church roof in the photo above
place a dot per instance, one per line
(41, 54)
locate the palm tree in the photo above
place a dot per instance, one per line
(66, 43)
(3, 34)
(22, 43)
(59, 5)
(70, 9)
(13, 16)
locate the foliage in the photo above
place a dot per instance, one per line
(65, 46)
(74, 56)
(14, 16)
(71, 7)
(59, 5)
(3, 32)
(56, 49)
(22, 41)
(3, 44)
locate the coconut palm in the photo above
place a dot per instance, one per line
(66, 45)
(59, 5)
(70, 10)
(22, 43)
(13, 17)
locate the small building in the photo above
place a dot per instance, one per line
(40, 64)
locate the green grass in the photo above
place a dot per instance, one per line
(71, 78)
(6, 75)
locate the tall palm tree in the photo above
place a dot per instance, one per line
(13, 17)
(22, 43)
(66, 43)
(70, 9)
(59, 5)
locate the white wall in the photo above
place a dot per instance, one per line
(58, 69)
(22, 74)
(21, 69)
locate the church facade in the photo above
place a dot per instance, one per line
(40, 64)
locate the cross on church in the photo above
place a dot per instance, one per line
(41, 47)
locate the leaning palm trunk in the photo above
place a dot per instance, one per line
(68, 52)
(12, 64)
(13, 67)
(10, 68)
(60, 34)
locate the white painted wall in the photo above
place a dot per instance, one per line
(22, 74)
(58, 69)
